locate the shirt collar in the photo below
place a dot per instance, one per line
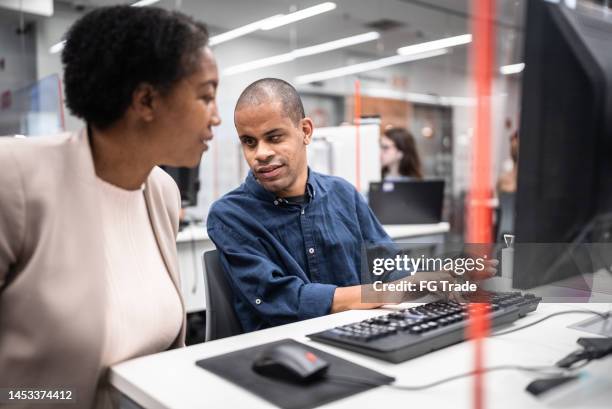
(258, 190)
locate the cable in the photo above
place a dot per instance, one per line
(605, 315)
(552, 371)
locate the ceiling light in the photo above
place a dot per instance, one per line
(512, 69)
(240, 31)
(56, 48)
(302, 52)
(435, 45)
(299, 15)
(366, 66)
(253, 65)
(336, 44)
(271, 22)
(143, 3)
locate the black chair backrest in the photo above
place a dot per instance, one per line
(506, 215)
(221, 319)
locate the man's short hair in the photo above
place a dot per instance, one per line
(272, 90)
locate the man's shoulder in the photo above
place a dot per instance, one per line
(235, 201)
(232, 216)
(334, 184)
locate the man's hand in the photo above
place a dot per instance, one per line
(451, 291)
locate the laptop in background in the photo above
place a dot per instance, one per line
(410, 202)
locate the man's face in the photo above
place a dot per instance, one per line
(389, 154)
(274, 147)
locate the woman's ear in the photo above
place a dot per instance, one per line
(144, 100)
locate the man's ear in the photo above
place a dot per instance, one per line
(307, 127)
(144, 101)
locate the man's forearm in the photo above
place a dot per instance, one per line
(349, 298)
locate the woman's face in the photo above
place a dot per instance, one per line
(389, 154)
(185, 116)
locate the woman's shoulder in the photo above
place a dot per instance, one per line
(162, 180)
(35, 156)
(23, 146)
(164, 186)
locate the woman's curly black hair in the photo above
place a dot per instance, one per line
(111, 50)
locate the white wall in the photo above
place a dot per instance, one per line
(18, 52)
(50, 31)
(42, 7)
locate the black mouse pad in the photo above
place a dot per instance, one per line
(236, 367)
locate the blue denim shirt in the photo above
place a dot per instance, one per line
(285, 260)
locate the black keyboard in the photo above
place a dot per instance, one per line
(412, 332)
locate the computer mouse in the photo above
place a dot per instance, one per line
(290, 362)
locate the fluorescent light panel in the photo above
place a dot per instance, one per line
(57, 47)
(270, 23)
(302, 52)
(512, 69)
(299, 15)
(366, 66)
(336, 44)
(143, 3)
(240, 31)
(253, 65)
(435, 45)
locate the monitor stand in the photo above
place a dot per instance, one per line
(595, 325)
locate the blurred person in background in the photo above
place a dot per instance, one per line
(399, 156)
(507, 180)
(88, 221)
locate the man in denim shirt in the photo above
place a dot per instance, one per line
(290, 239)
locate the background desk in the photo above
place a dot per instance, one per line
(193, 241)
(171, 380)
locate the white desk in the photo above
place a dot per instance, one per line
(171, 380)
(193, 241)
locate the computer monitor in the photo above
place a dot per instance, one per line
(188, 182)
(407, 202)
(565, 157)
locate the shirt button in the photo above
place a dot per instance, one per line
(258, 301)
(311, 250)
(276, 202)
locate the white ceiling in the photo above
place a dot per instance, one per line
(422, 19)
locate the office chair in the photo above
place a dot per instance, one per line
(505, 223)
(221, 320)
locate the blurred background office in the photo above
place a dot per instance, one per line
(324, 50)
(383, 80)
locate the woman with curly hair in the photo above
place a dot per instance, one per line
(88, 221)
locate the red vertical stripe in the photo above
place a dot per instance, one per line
(479, 212)
(479, 216)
